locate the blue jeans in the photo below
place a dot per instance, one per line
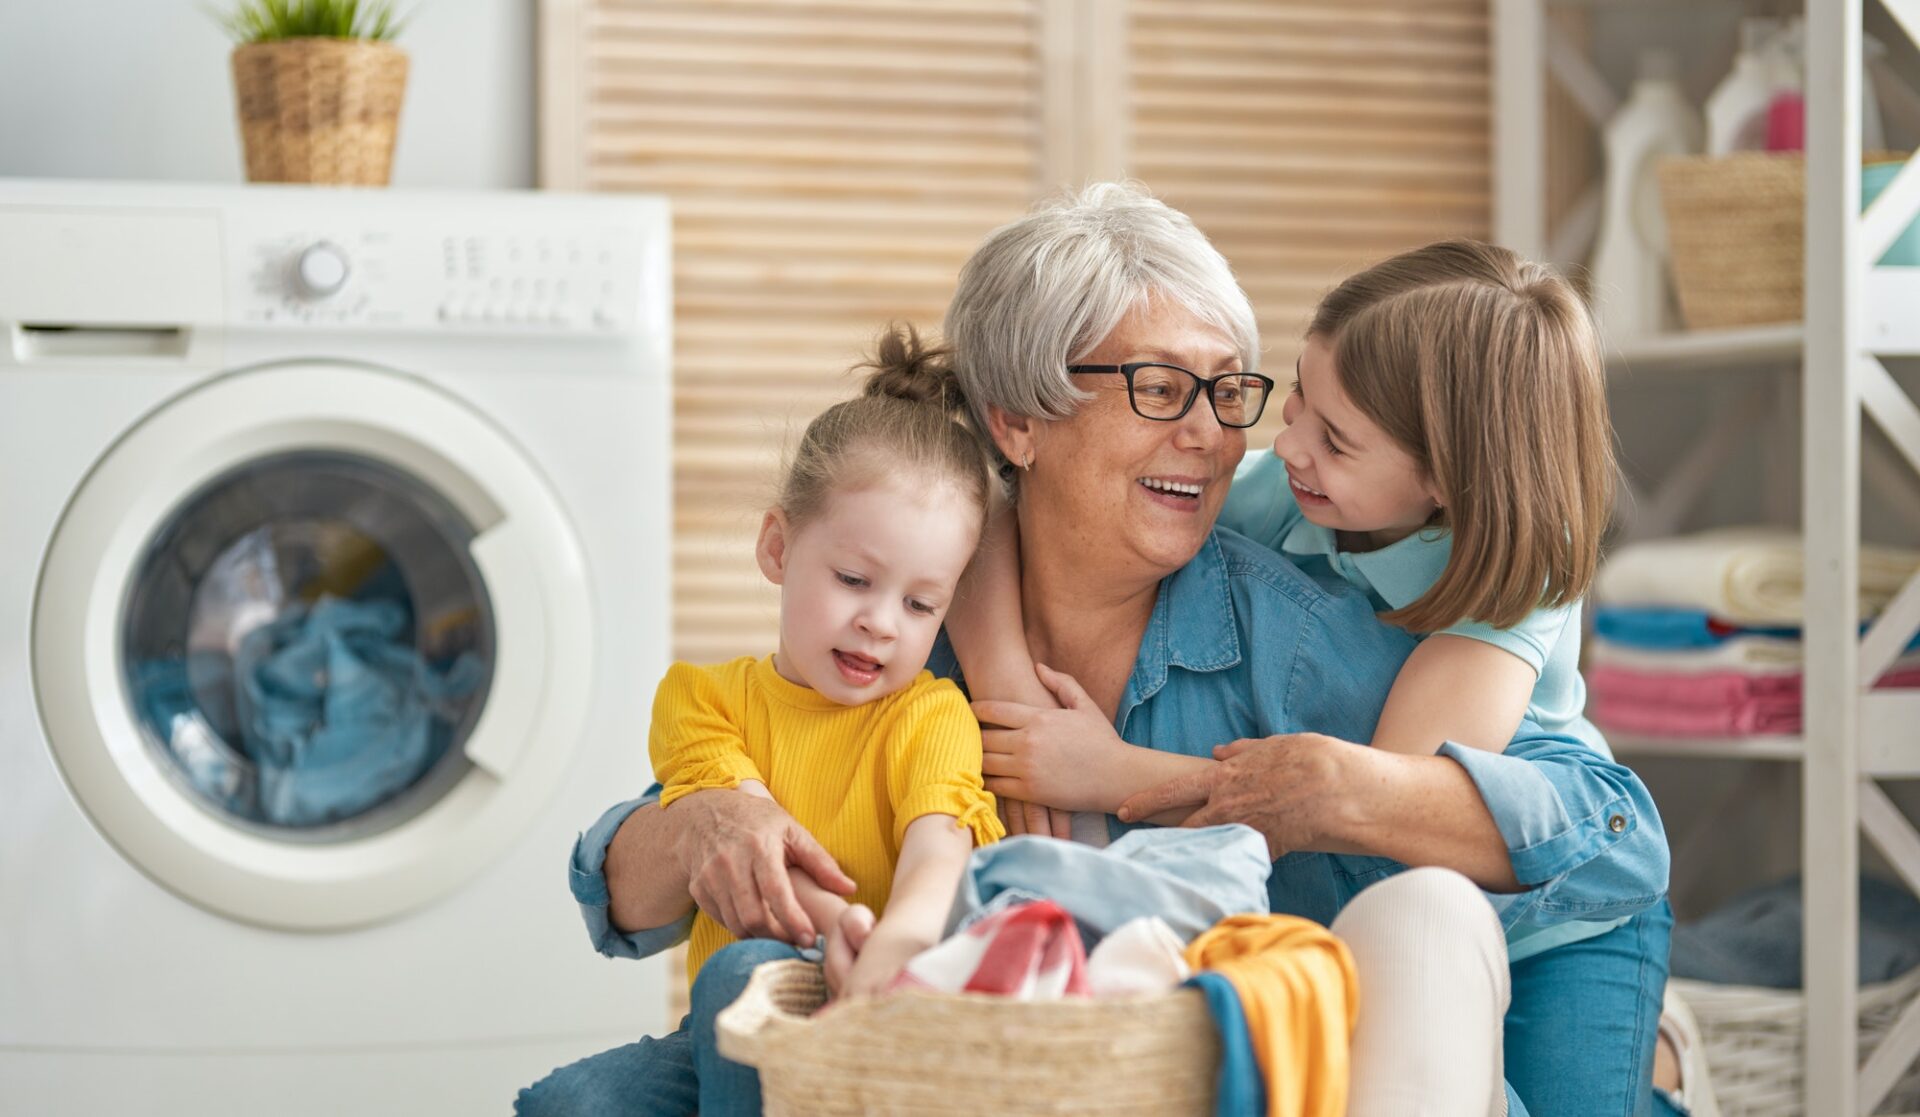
(1580, 1032)
(674, 1075)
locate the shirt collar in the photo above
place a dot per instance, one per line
(1192, 626)
(1398, 574)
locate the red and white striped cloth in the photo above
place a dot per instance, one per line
(1030, 952)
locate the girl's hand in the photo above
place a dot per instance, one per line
(1281, 786)
(1060, 758)
(881, 959)
(845, 939)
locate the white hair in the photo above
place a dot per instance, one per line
(1047, 289)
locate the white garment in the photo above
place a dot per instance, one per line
(1434, 988)
(1141, 956)
(1751, 575)
(1759, 656)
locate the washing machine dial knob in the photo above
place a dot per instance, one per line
(320, 271)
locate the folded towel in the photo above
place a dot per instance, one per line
(1713, 688)
(1752, 576)
(1753, 654)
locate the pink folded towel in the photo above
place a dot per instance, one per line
(1706, 704)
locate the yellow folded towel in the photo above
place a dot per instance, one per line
(1297, 988)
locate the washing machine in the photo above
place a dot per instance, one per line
(334, 566)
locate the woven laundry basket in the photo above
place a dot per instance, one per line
(938, 1053)
(1756, 1039)
(1735, 235)
(319, 110)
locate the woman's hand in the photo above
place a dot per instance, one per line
(845, 939)
(1060, 758)
(886, 953)
(1285, 787)
(736, 849)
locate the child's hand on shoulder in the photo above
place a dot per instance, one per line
(886, 953)
(845, 939)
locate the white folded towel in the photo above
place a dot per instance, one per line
(1749, 575)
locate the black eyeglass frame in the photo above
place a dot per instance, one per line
(1199, 382)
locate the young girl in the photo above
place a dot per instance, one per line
(880, 511)
(1448, 453)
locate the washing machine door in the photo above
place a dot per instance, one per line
(312, 644)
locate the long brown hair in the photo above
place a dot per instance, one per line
(1487, 369)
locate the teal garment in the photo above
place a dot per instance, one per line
(1262, 507)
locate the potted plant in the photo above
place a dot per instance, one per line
(318, 85)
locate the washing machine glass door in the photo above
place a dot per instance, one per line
(307, 643)
(312, 644)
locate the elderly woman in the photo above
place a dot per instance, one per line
(1185, 637)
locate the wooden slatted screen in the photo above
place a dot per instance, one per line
(830, 167)
(832, 162)
(1312, 137)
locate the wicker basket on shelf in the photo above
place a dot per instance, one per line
(1735, 235)
(319, 110)
(939, 1053)
(1755, 1042)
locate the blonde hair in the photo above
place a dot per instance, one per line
(1486, 368)
(906, 422)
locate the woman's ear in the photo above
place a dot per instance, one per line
(771, 549)
(1014, 435)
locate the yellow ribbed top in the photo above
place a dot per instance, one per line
(854, 776)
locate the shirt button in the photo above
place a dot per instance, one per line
(1617, 823)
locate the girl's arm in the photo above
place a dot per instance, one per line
(932, 857)
(1455, 688)
(1070, 757)
(984, 626)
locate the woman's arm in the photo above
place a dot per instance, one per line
(728, 852)
(1305, 791)
(984, 626)
(1455, 688)
(932, 858)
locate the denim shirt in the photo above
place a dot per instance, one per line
(1242, 643)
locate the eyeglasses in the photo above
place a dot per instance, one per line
(1165, 393)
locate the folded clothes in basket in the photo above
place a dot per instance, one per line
(1031, 951)
(1192, 879)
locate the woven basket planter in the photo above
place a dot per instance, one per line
(319, 110)
(967, 1054)
(1755, 1041)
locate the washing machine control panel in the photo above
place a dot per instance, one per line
(434, 271)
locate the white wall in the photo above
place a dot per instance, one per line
(140, 89)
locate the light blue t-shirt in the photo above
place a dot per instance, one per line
(1261, 506)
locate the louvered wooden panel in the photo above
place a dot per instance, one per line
(1311, 137)
(831, 163)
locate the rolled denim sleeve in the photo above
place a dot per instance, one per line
(587, 877)
(1582, 831)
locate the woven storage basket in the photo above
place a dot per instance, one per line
(1735, 235)
(1755, 1043)
(937, 1053)
(319, 110)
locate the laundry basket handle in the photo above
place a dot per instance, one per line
(750, 1027)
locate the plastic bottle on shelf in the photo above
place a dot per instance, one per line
(1632, 294)
(1737, 107)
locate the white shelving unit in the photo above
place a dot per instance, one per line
(1856, 315)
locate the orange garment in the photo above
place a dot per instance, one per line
(1301, 999)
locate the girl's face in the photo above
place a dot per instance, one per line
(865, 585)
(1345, 472)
